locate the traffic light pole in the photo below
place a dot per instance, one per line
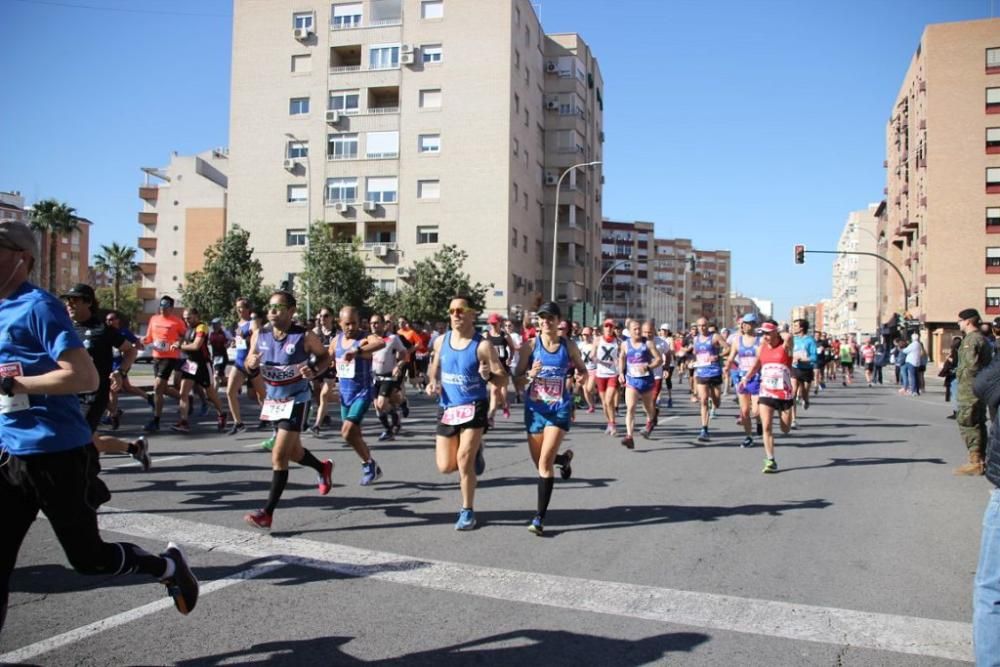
(906, 287)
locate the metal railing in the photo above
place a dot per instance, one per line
(337, 69)
(382, 156)
(382, 110)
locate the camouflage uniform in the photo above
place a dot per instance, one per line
(974, 354)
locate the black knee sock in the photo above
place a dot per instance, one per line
(395, 417)
(309, 460)
(560, 460)
(384, 420)
(545, 485)
(278, 480)
(136, 559)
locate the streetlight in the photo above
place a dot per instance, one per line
(555, 225)
(309, 202)
(597, 311)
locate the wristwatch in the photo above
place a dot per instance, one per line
(7, 385)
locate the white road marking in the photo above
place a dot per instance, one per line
(85, 632)
(883, 632)
(155, 460)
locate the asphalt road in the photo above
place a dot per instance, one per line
(860, 551)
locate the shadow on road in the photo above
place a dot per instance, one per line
(868, 461)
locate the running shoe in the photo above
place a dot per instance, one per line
(142, 453)
(565, 469)
(405, 407)
(489, 423)
(314, 431)
(536, 527)
(747, 442)
(647, 430)
(238, 427)
(259, 518)
(670, 402)
(325, 479)
(181, 427)
(220, 422)
(805, 402)
(506, 412)
(628, 442)
(466, 520)
(590, 410)
(703, 434)
(152, 426)
(770, 466)
(269, 443)
(383, 436)
(106, 419)
(182, 585)
(370, 472)
(795, 425)
(480, 460)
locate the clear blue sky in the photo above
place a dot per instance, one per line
(742, 124)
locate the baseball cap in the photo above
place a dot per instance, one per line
(768, 327)
(550, 308)
(19, 235)
(80, 291)
(664, 327)
(216, 320)
(493, 318)
(969, 314)
(749, 318)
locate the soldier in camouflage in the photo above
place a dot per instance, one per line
(974, 354)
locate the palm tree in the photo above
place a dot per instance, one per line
(56, 219)
(118, 261)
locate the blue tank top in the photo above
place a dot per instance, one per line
(355, 376)
(704, 350)
(745, 355)
(637, 360)
(460, 380)
(243, 334)
(281, 364)
(548, 393)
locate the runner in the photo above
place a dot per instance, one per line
(194, 371)
(281, 353)
(607, 357)
(49, 462)
(353, 355)
(867, 353)
(665, 343)
(388, 366)
(323, 385)
(707, 372)
(588, 352)
(164, 332)
(240, 375)
(463, 362)
(116, 320)
(503, 345)
(743, 353)
(545, 364)
(218, 344)
(666, 353)
(805, 361)
(100, 339)
(638, 358)
(774, 363)
(847, 353)
(822, 348)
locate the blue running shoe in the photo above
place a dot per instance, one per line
(536, 526)
(466, 520)
(703, 434)
(152, 426)
(370, 472)
(480, 460)
(385, 435)
(670, 402)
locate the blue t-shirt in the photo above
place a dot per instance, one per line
(116, 354)
(34, 332)
(805, 344)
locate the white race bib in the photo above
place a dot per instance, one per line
(12, 403)
(160, 345)
(190, 367)
(276, 409)
(458, 414)
(345, 368)
(241, 343)
(640, 370)
(547, 390)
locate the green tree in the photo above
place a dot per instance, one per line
(230, 271)
(432, 283)
(334, 275)
(129, 303)
(118, 261)
(55, 219)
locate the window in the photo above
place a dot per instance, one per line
(517, 58)
(516, 193)
(429, 143)
(387, 285)
(383, 56)
(993, 140)
(429, 189)
(382, 145)
(427, 234)
(381, 189)
(993, 219)
(303, 20)
(517, 103)
(301, 64)
(538, 251)
(298, 106)
(993, 260)
(516, 145)
(431, 53)
(432, 9)
(382, 236)
(993, 60)
(517, 16)
(297, 193)
(295, 237)
(298, 149)
(993, 300)
(993, 180)
(524, 242)
(430, 98)
(342, 146)
(346, 16)
(341, 190)
(513, 237)
(527, 118)
(344, 101)
(993, 100)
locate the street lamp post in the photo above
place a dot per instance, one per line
(309, 202)
(597, 311)
(555, 225)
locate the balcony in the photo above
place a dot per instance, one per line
(148, 192)
(993, 265)
(146, 293)
(147, 242)
(148, 268)
(148, 219)
(910, 224)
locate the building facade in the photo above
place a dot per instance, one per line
(807, 313)
(183, 213)
(942, 191)
(854, 303)
(412, 124)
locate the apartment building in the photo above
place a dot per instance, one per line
(943, 180)
(72, 252)
(854, 303)
(740, 306)
(808, 312)
(183, 213)
(411, 124)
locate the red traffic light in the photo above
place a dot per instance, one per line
(800, 254)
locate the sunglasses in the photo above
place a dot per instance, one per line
(277, 307)
(458, 311)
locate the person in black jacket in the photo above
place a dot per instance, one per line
(948, 373)
(986, 594)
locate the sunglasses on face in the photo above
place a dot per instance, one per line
(277, 307)
(455, 311)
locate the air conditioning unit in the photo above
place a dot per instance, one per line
(302, 33)
(380, 250)
(290, 164)
(333, 117)
(406, 48)
(407, 58)
(552, 105)
(403, 272)
(550, 178)
(341, 207)
(370, 206)
(551, 66)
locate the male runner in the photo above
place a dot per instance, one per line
(245, 328)
(707, 348)
(503, 345)
(665, 344)
(353, 356)
(164, 333)
(195, 370)
(116, 320)
(804, 355)
(323, 385)
(388, 366)
(867, 353)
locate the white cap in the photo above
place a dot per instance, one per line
(664, 327)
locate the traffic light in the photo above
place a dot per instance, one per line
(691, 263)
(800, 254)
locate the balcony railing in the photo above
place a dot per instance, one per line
(148, 192)
(375, 68)
(339, 69)
(146, 218)
(148, 268)
(384, 23)
(377, 111)
(382, 156)
(147, 242)
(342, 156)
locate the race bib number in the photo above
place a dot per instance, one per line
(547, 390)
(190, 367)
(703, 359)
(638, 370)
(457, 415)
(746, 363)
(276, 409)
(345, 368)
(775, 379)
(241, 343)
(12, 403)
(218, 360)
(160, 345)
